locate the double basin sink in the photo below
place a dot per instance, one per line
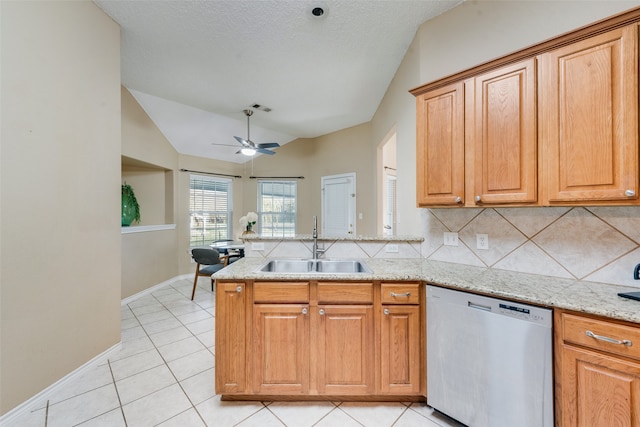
(313, 266)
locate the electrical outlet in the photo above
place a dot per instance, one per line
(482, 241)
(257, 246)
(450, 239)
(391, 248)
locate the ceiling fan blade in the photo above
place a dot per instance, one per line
(268, 145)
(264, 151)
(224, 145)
(243, 141)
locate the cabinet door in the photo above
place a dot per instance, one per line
(345, 349)
(230, 338)
(400, 349)
(589, 118)
(440, 146)
(505, 148)
(281, 348)
(597, 390)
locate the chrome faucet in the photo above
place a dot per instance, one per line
(316, 251)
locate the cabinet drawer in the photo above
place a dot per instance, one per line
(400, 293)
(576, 330)
(345, 293)
(281, 292)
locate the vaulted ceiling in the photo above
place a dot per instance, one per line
(194, 66)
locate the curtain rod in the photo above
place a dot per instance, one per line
(276, 177)
(211, 173)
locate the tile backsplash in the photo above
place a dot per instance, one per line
(598, 244)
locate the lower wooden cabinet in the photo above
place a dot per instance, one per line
(400, 349)
(231, 337)
(345, 349)
(597, 372)
(320, 338)
(280, 349)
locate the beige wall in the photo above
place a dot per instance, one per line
(345, 151)
(150, 167)
(60, 173)
(479, 31)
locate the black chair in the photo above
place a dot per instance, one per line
(211, 260)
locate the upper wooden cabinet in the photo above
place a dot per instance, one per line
(589, 118)
(503, 127)
(553, 124)
(476, 140)
(440, 148)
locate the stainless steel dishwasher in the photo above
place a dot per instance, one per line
(489, 361)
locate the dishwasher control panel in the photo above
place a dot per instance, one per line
(519, 312)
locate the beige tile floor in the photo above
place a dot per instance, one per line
(164, 376)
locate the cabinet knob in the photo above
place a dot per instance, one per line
(458, 199)
(304, 310)
(321, 312)
(629, 193)
(386, 312)
(239, 289)
(478, 199)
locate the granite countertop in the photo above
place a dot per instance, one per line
(586, 297)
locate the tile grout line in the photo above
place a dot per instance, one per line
(165, 361)
(124, 417)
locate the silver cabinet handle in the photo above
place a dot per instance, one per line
(386, 311)
(321, 312)
(478, 199)
(239, 289)
(458, 199)
(407, 294)
(607, 339)
(629, 193)
(304, 310)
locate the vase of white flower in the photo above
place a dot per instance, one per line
(247, 222)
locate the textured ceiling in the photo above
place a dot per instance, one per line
(195, 65)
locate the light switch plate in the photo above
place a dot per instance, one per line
(391, 248)
(450, 239)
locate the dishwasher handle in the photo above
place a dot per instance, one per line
(478, 306)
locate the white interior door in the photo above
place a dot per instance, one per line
(339, 205)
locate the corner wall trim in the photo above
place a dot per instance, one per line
(143, 228)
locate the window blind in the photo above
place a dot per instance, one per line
(210, 209)
(277, 205)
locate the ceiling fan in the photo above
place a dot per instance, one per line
(249, 148)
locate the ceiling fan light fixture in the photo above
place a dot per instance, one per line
(247, 151)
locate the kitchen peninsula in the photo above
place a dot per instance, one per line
(360, 336)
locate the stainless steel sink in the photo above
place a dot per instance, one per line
(288, 266)
(341, 266)
(313, 266)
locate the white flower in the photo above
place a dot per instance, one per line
(249, 220)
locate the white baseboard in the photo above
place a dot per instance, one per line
(154, 288)
(45, 394)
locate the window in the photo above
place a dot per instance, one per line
(277, 208)
(210, 209)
